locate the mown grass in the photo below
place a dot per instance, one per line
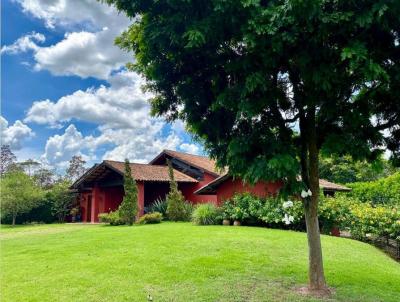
(183, 262)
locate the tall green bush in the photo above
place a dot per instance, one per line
(128, 209)
(177, 210)
(62, 199)
(206, 214)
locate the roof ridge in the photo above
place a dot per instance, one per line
(186, 153)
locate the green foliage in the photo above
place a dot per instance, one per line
(343, 169)
(270, 211)
(61, 199)
(206, 214)
(335, 212)
(19, 194)
(361, 218)
(129, 207)
(241, 74)
(261, 67)
(160, 206)
(113, 218)
(177, 208)
(381, 191)
(151, 218)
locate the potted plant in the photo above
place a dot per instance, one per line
(238, 215)
(226, 213)
(74, 212)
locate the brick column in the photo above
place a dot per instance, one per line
(140, 186)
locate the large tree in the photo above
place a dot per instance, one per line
(267, 85)
(19, 194)
(76, 168)
(7, 160)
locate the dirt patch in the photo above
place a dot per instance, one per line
(325, 293)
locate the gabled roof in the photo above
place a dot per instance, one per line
(140, 172)
(197, 161)
(145, 172)
(212, 186)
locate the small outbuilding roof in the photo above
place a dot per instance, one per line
(212, 186)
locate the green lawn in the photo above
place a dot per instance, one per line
(183, 262)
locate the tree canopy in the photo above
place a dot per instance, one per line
(19, 194)
(268, 85)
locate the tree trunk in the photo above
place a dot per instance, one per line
(13, 219)
(316, 268)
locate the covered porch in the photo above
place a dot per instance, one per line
(101, 188)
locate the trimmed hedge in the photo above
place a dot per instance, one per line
(383, 191)
(151, 218)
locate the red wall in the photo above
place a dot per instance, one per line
(188, 189)
(230, 187)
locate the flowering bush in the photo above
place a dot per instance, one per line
(341, 211)
(360, 218)
(334, 212)
(380, 221)
(272, 211)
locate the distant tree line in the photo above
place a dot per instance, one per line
(344, 169)
(32, 192)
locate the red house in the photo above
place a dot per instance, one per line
(101, 187)
(224, 187)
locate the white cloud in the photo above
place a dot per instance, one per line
(24, 44)
(117, 106)
(72, 12)
(87, 49)
(189, 148)
(60, 148)
(15, 134)
(121, 114)
(83, 54)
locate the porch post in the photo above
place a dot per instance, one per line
(140, 186)
(95, 203)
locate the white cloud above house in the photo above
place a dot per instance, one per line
(117, 106)
(87, 49)
(14, 135)
(119, 111)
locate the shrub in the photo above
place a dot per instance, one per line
(160, 206)
(177, 208)
(383, 191)
(334, 212)
(206, 214)
(113, 218)
(150, 218)
(360, 218)
(251, 209)
(380, 221)
(129, 207)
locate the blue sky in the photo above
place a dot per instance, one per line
(65, 90)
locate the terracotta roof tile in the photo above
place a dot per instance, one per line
(145, 172)
(330, 186)
(198, 161)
